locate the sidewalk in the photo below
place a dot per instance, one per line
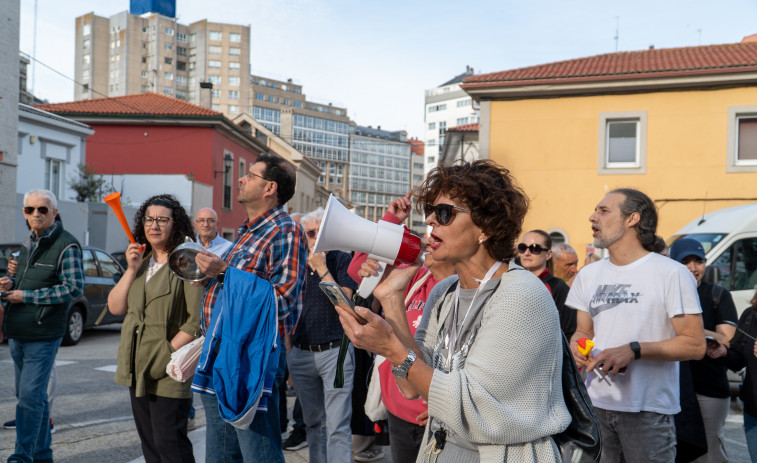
(197, 436)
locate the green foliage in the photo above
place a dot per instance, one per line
(89, 186)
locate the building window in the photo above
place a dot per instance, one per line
(86, 29)
(181, 65)
(214, 79)
(216, 107)
(85, 44)
(259, 96)
(181, 94)
(436, 108)
(228, 172)
(85, 75)
(215, 50)
(214, 64)
(144, 74)
(235, 51)
(233, 109)
(168, 90)
(622, 143)
(233, 94)
(298, 104)
(462, 120)
(234, 81)
(181, 37)
(181, 51)
(168, 46)
(193, 38)
(215, 93)
(235, 37)
(742, 139)
(215, 35)
(168, 75)
(432, 125)
(181, 80)
(233, 66)
(168, 31)
(53, 175)
(168, 60)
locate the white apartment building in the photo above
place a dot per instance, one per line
(447, 106)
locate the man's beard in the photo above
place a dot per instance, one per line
(604, 243)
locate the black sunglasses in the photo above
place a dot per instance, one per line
(534, 248)
(444, 213)
(29, 210)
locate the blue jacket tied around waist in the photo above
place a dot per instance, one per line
(236, 364)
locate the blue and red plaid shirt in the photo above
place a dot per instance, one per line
(273, 247)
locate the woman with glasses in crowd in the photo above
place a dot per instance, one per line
(487, 355)
(162, 315)
(536, 256)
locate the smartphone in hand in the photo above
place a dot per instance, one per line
(337, 297)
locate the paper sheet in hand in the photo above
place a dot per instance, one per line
(183, 362)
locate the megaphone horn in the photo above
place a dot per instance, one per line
(386, 242)
(114, 201)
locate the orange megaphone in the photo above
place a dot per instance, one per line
(114, 201)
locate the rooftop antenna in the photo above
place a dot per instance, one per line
(34, 48)
(699, 33)
(704, 206)
(617, 32)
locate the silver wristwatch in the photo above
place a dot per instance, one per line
(401, 370)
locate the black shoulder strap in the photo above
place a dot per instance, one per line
(717, 292)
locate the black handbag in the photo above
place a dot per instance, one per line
(583, 430)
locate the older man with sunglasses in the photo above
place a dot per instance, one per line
(49, 275)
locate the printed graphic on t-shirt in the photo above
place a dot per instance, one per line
(610, 296)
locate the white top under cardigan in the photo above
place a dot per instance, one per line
(507, 397)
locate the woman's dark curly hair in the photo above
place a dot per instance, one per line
(646, 228)
(497, 203)
(182, 225)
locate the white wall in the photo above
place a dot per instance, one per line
(136, 188)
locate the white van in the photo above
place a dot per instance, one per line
(729, 237)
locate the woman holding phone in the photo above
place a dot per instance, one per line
(487, 355)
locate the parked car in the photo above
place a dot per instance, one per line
(101, 273)
(120, 256)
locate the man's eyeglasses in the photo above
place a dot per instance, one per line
(209, 221)
(29, 210)
(311, 233)
(444, 213)
(249, 173)
(534, 248)
(162, 221)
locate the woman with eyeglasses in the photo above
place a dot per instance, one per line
(536, 256)
(487, 355)
(162, 315)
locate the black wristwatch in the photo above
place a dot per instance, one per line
(220, 277)
(636, 348)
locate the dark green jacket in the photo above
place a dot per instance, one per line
(40, 269)
(156, 311)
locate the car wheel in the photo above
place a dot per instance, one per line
(74, 327)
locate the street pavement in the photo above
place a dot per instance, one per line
(93, 417)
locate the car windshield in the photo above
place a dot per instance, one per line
(708, 240)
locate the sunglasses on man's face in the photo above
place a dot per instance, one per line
(29, 210)
(534, 248)
(444, 213)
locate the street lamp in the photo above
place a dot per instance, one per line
(227, 159)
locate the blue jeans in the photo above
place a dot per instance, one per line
(261, 442)
(637, 437)
(750, 430)
(33, 361)
(327, 410)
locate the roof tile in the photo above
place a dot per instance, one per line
(663, 62)
(145, 104)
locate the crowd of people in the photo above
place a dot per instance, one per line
(467, 340)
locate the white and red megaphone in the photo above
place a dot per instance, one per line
(386, 242)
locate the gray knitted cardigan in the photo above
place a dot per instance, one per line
(507, 397)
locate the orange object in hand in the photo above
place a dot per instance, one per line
(585, 345)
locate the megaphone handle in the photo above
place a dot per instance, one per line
(370, 283)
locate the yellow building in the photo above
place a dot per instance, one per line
(679, 124)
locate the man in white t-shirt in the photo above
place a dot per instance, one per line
(642, 311)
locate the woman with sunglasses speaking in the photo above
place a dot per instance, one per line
(487, 355)
(536, 256)
(162, 315)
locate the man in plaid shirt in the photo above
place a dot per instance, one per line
(271, 245)
(47, 276)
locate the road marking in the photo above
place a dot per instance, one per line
(108, 368)
(735, 418)
(60, 363)
(735, 442)
(103, 421)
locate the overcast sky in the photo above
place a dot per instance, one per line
(377, 58)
